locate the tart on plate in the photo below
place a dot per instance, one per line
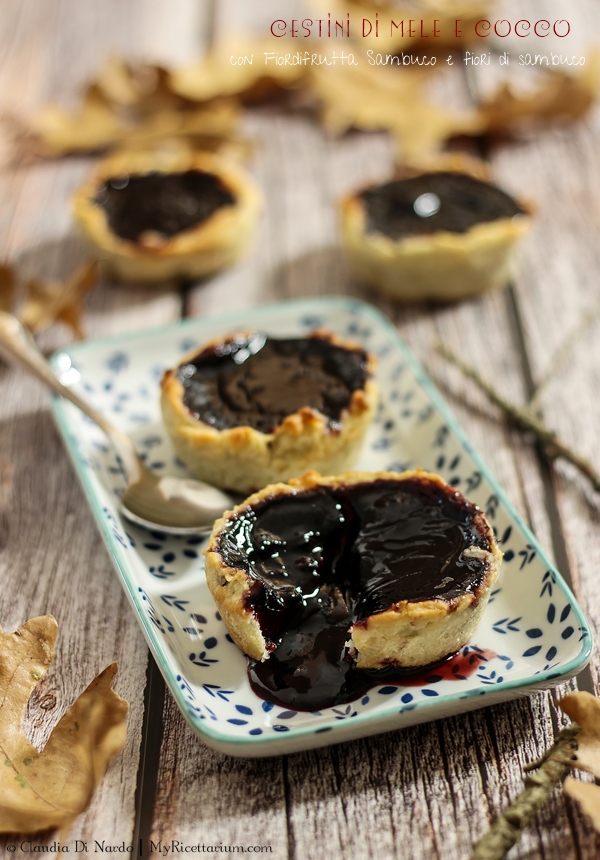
(442, 234)
(249, 409)
(321, 578)
(154, 216)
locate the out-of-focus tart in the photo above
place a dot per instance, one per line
(153, 216)
(321, 578)
(247, 410)
(440, 234)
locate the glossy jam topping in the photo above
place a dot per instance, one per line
(161, 203)
(425, 204)
(255, 381)
(324, 559)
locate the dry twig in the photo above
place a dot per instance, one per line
(589, 317)
(552, 770)
(525, 419)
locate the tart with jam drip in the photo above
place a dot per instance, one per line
(249, 409)
(323, 579)
(154, 216)
(442, 234)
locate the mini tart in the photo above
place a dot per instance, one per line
(153, 216)
(441, 234)
(247, 410)
(400, 564)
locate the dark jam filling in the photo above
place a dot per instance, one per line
(425, 204)
(324, 559)
(255, 381)
(163, 203)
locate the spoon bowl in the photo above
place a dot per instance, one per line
(174, 505)
(168, 504)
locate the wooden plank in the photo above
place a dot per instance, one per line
(208, 798)
(51, 557)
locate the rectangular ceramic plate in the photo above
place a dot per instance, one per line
(532, 623)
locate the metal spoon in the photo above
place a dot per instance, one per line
(174, 505)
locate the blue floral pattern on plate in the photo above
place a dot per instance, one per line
(532, 623)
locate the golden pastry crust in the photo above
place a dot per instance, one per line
(213, 244)
(410, 634)
(244, 459)
(444, 266)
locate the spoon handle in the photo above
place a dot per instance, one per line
(18, 346)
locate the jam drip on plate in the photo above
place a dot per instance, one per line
(256, 381)
(324, 559)
(313, 683)
(425, 204)
(162, 203)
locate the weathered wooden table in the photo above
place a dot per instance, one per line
(425, 792)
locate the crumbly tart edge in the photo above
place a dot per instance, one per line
(242, 458)
(213, 244)
(376, 641)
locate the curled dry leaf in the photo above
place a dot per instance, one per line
(376, 98)
(94, 126)
(252, 81)
(588, 796)
(584, 709)
(50, 301)
(217, 121)
(41, 790)
(117, 83)
(134, 107)
(426, 127)
(7, 287)
(562, 96)
(143, 87)
(111, 107)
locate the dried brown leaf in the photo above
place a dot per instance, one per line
(143, 87)
(7, 287)
(216, 76)
(584, 709)
(117, 83)
(50, 301)
(424, 128)
(217, 120)
(588, 796)
(40, 790)
(372, 98)
(132, 106)
(93, 127)
(562, 96)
